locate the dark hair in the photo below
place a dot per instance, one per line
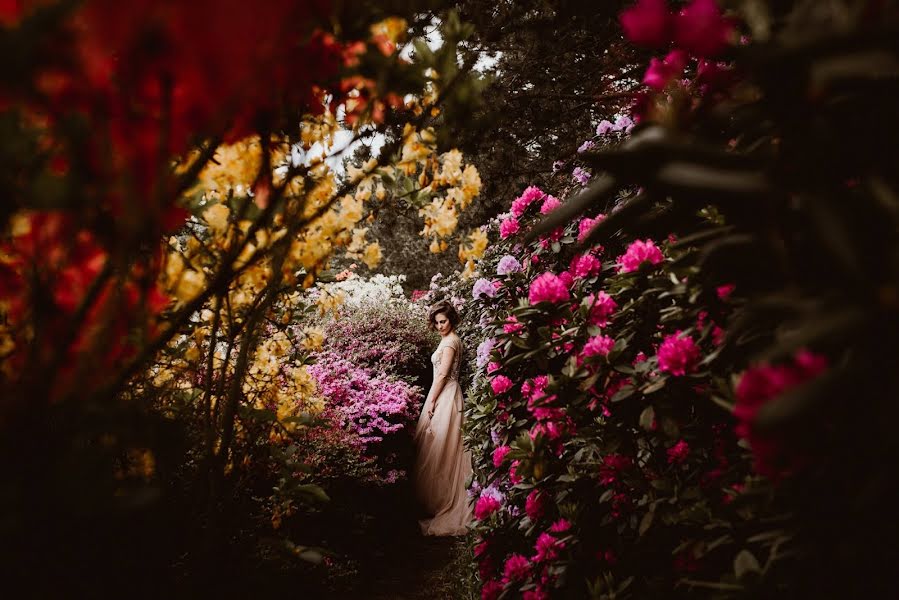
(447, 309)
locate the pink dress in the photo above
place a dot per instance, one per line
(443, 465)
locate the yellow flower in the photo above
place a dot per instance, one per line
(451, 169)
(313, 338)
(471, 184)
(372, 255)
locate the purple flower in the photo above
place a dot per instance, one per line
(508, 264)
(586, 146)
(483, 287)
(623, 123)
(483, 353)
(604, 127)
(580, 175)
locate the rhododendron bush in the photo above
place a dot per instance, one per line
(689, 432)
(600, 444)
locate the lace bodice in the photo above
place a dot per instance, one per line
(453, 341)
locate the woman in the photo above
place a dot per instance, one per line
(443, 465)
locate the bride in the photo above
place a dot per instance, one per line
(443, 465)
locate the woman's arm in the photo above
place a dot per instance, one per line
(446, 364)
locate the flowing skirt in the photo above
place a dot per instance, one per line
(443, 465)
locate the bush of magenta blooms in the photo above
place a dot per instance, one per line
(609, 461)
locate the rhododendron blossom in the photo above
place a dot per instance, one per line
(535, 505)
(585, 265)
(508, 227)
(637, 253)
(517, 568)
(604, 127)
(507, 265)
(528, 197)
(599, 345)
(701, 29)
(500, 384)
(678, 354)
(586, 225)
(678, 453)
(499, 455)
(602, 306)
(758, 386)
(550, 204)
(548, 288)
(486, 506)
(483, 287)
(647, 23)
(662, 72)
(484, 350)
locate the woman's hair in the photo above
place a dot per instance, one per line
(447, 309)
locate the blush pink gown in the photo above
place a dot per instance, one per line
(443, 465)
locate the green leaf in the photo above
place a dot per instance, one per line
(646, 522)
(745, 563)
(647, 417)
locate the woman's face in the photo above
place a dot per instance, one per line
(443, 324)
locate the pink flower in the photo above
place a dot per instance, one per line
(701, 29)
(500, 384)
(598, 345)
(724, 291)
(550, 204)
(638, 253)
(647, 23)
(584, 265)
(517, 568)
(499, 455)
(612, 465)
(678, 354)
(560, 526)
(604, 127)
(494, 366)
(662, 72)
(678, 453)
(508, 228)
(641, 357)
(602, 306)
(486, 506)
(528, 197)
(512, 325)
(491, 590)
(758, 386)
(587, 224)
(547, 547)
(535, 505)
(548, 288)
(566, 279)
(514, 477)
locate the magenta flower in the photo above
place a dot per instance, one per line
(566, 279)
(535, 505)
(486, 506)
(516, 568)
(548, 288)
(550, 204)
(560, 526)
(647, 23)
(678, 453)
(547, 547)
(508, 228)
(586, 224)
(758, 386)
(528, 197)
(512, 325)
(599, 345)
(662, 72)
(602, 306)
(638, 253)
(612, 466)
(491, 590)
(585, 265)
(500, 384)
(724, 291)
(678, 354)
(499, 455)
(701, 29)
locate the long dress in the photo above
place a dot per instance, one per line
(443, 465)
